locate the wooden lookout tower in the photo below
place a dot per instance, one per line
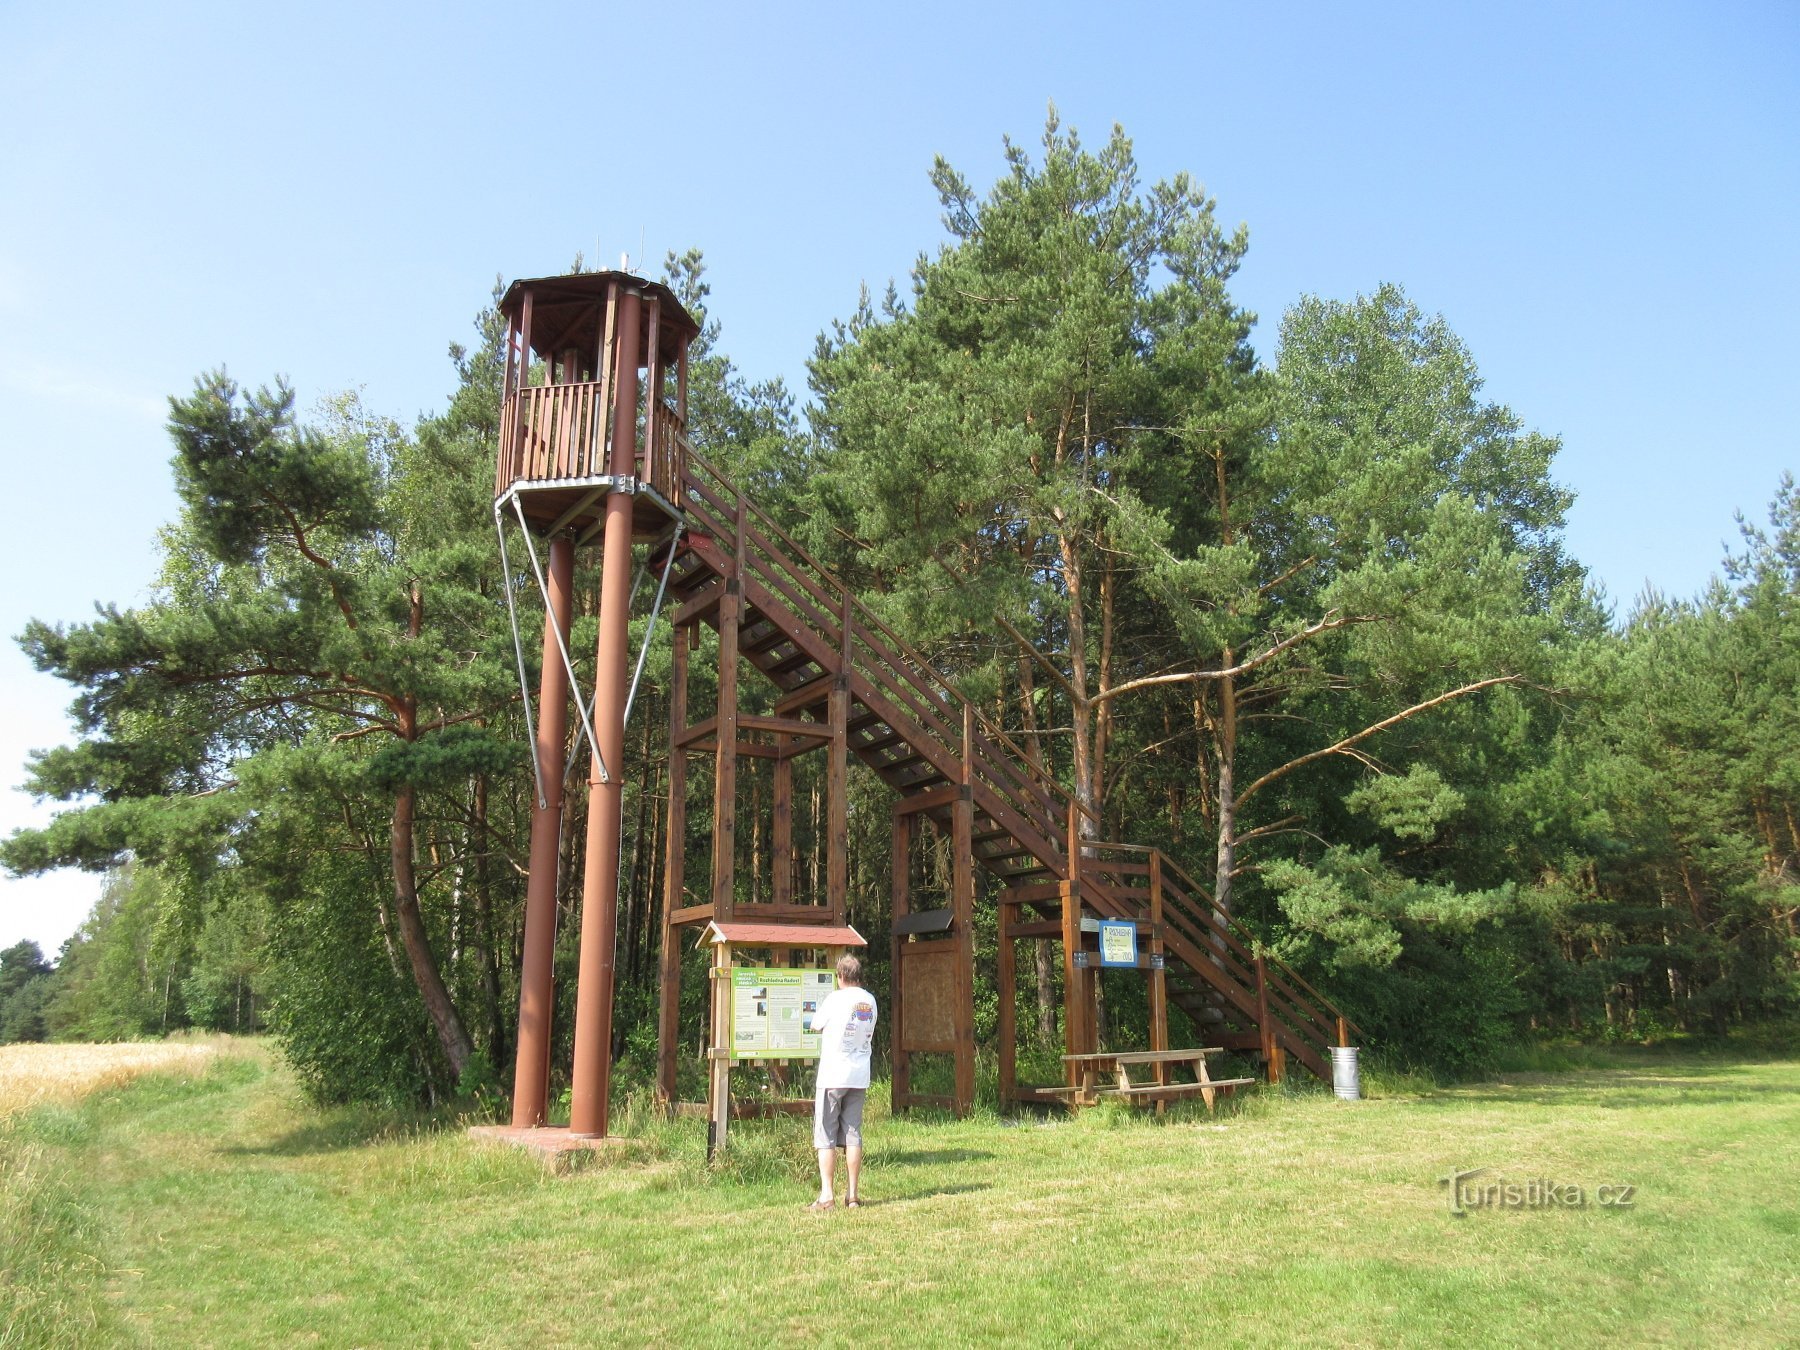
(594, 451)
(593, 408)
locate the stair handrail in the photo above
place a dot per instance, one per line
(1170, 865)
(1178, 900)
(1021, 766)
(1237, 941)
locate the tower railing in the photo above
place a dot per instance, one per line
(553, 433)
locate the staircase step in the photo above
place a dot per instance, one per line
(1012, 873)
(913, 782)
(753, 643)
(789, 663)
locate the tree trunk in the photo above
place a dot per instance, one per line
(1225, 748)
(488, 939)
(1225, 751)
(1103, 722)
(1034, 753)
(1081, 709)
(452, 1036)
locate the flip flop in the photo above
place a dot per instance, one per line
(852, 1204)
(819, 1207)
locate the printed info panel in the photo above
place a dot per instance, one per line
(770, 1007)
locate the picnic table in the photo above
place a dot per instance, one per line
(1120, 1064)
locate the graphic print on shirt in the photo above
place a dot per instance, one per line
(859, 1028)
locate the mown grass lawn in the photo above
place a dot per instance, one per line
(226, 1211)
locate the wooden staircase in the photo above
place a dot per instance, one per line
(808, 635)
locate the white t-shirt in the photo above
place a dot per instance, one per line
(845, 1022)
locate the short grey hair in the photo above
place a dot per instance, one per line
(849, 969)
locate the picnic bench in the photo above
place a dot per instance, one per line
(1120, 1064)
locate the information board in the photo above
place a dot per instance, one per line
(1118, 943)
(770, 1009)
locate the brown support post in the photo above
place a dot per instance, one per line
(600, 879)
(653, 360)
(1159, 989)
(519, 466)
(676, 459)
(668, 1030)
(1073, 1039)
(531, 1071)
(1009, 1028)
(779, 958)
(509, 390)
(1078, 981)
(901, 1072)
(962, 901)
(718, 1051)
(604, 408)
(837, 798)
(781, 847)
(1265, 1030)
(724, 859)
(1343, 1031)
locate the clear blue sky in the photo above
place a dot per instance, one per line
(1601, 200)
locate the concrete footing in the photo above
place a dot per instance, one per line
(552, 1144)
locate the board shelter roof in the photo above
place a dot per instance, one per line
(785, 935)
(568, 311)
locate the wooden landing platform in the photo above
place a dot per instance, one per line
(552, 1144)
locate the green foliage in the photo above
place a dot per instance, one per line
(1689, 893)
(340, 1002)
(250, 476)
(121, 975)
(1413, 805)
(1362, 908)
(225, 988)
(24, 990)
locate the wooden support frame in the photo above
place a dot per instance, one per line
(668, 1028)
(1271, 1052)
(731, 603)
(837, 803)
(900, 1068)
(725, 757)
(1009, 1010)
(718, 1063)
(962, 931)
(912, 950)
(1159, 988)
(781, 833)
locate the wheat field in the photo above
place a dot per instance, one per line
(30, 1074)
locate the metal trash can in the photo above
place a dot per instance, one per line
(1346, 1078)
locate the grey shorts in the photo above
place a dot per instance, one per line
(837, 1117)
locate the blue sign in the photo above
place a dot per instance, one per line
(1118, 943)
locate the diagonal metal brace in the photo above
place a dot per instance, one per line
(562, 646)
(675, 534)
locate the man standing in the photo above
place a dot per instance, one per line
(846, 1024)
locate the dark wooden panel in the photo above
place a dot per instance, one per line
(928, 1012)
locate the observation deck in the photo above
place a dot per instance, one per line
(565, 444)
